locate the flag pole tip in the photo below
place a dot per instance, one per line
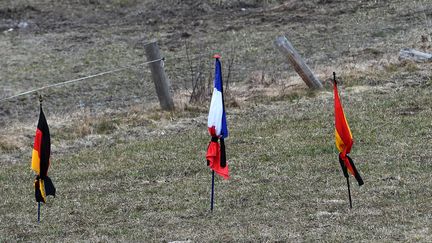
(217, 56)
(40, 99)
(334, 77)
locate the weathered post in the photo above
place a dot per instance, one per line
(286, 48)
(158, 74)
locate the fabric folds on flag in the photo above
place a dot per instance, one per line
(41, 160)
(344, 139)
(217, 127)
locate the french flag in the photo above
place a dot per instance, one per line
(217, 126)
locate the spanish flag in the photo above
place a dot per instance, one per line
(41, 160)
(217, 126)
(344, 139)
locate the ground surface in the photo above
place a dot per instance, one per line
(125, 170)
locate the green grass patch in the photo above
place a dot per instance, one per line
(284, 171)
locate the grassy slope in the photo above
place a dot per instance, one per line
(71, 39)
(285, 185)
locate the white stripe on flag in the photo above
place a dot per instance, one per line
(216, 112)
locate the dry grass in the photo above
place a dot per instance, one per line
(125, 171)
(285, 185)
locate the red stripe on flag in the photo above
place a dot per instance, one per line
(212, 131)
(38, 140)
(213, 157)
(341, 123)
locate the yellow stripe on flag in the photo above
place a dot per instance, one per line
(35, 164)
(42, 189)
(339, 142)
(346, 122)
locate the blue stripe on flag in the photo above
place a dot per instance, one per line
(218, 86)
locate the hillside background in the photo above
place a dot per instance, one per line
(127, 171)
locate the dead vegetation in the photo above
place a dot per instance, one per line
(138, 173)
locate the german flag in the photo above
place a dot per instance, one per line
(41, 160)
(344, 139)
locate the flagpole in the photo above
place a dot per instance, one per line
(212, 192)
(39, 212)
(334, 77)
(349, 191)
(39, 204)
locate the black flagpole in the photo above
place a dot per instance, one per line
(223, 155)
(344, 169)
(349, 192)
(39, 212)
(212, 192)
(345, 172)
(39, 204)
(334, 77)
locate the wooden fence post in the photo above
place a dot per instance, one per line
(158, 74)
(286, 48)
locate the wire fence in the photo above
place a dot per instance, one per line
(130, 85)
(78, 80)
